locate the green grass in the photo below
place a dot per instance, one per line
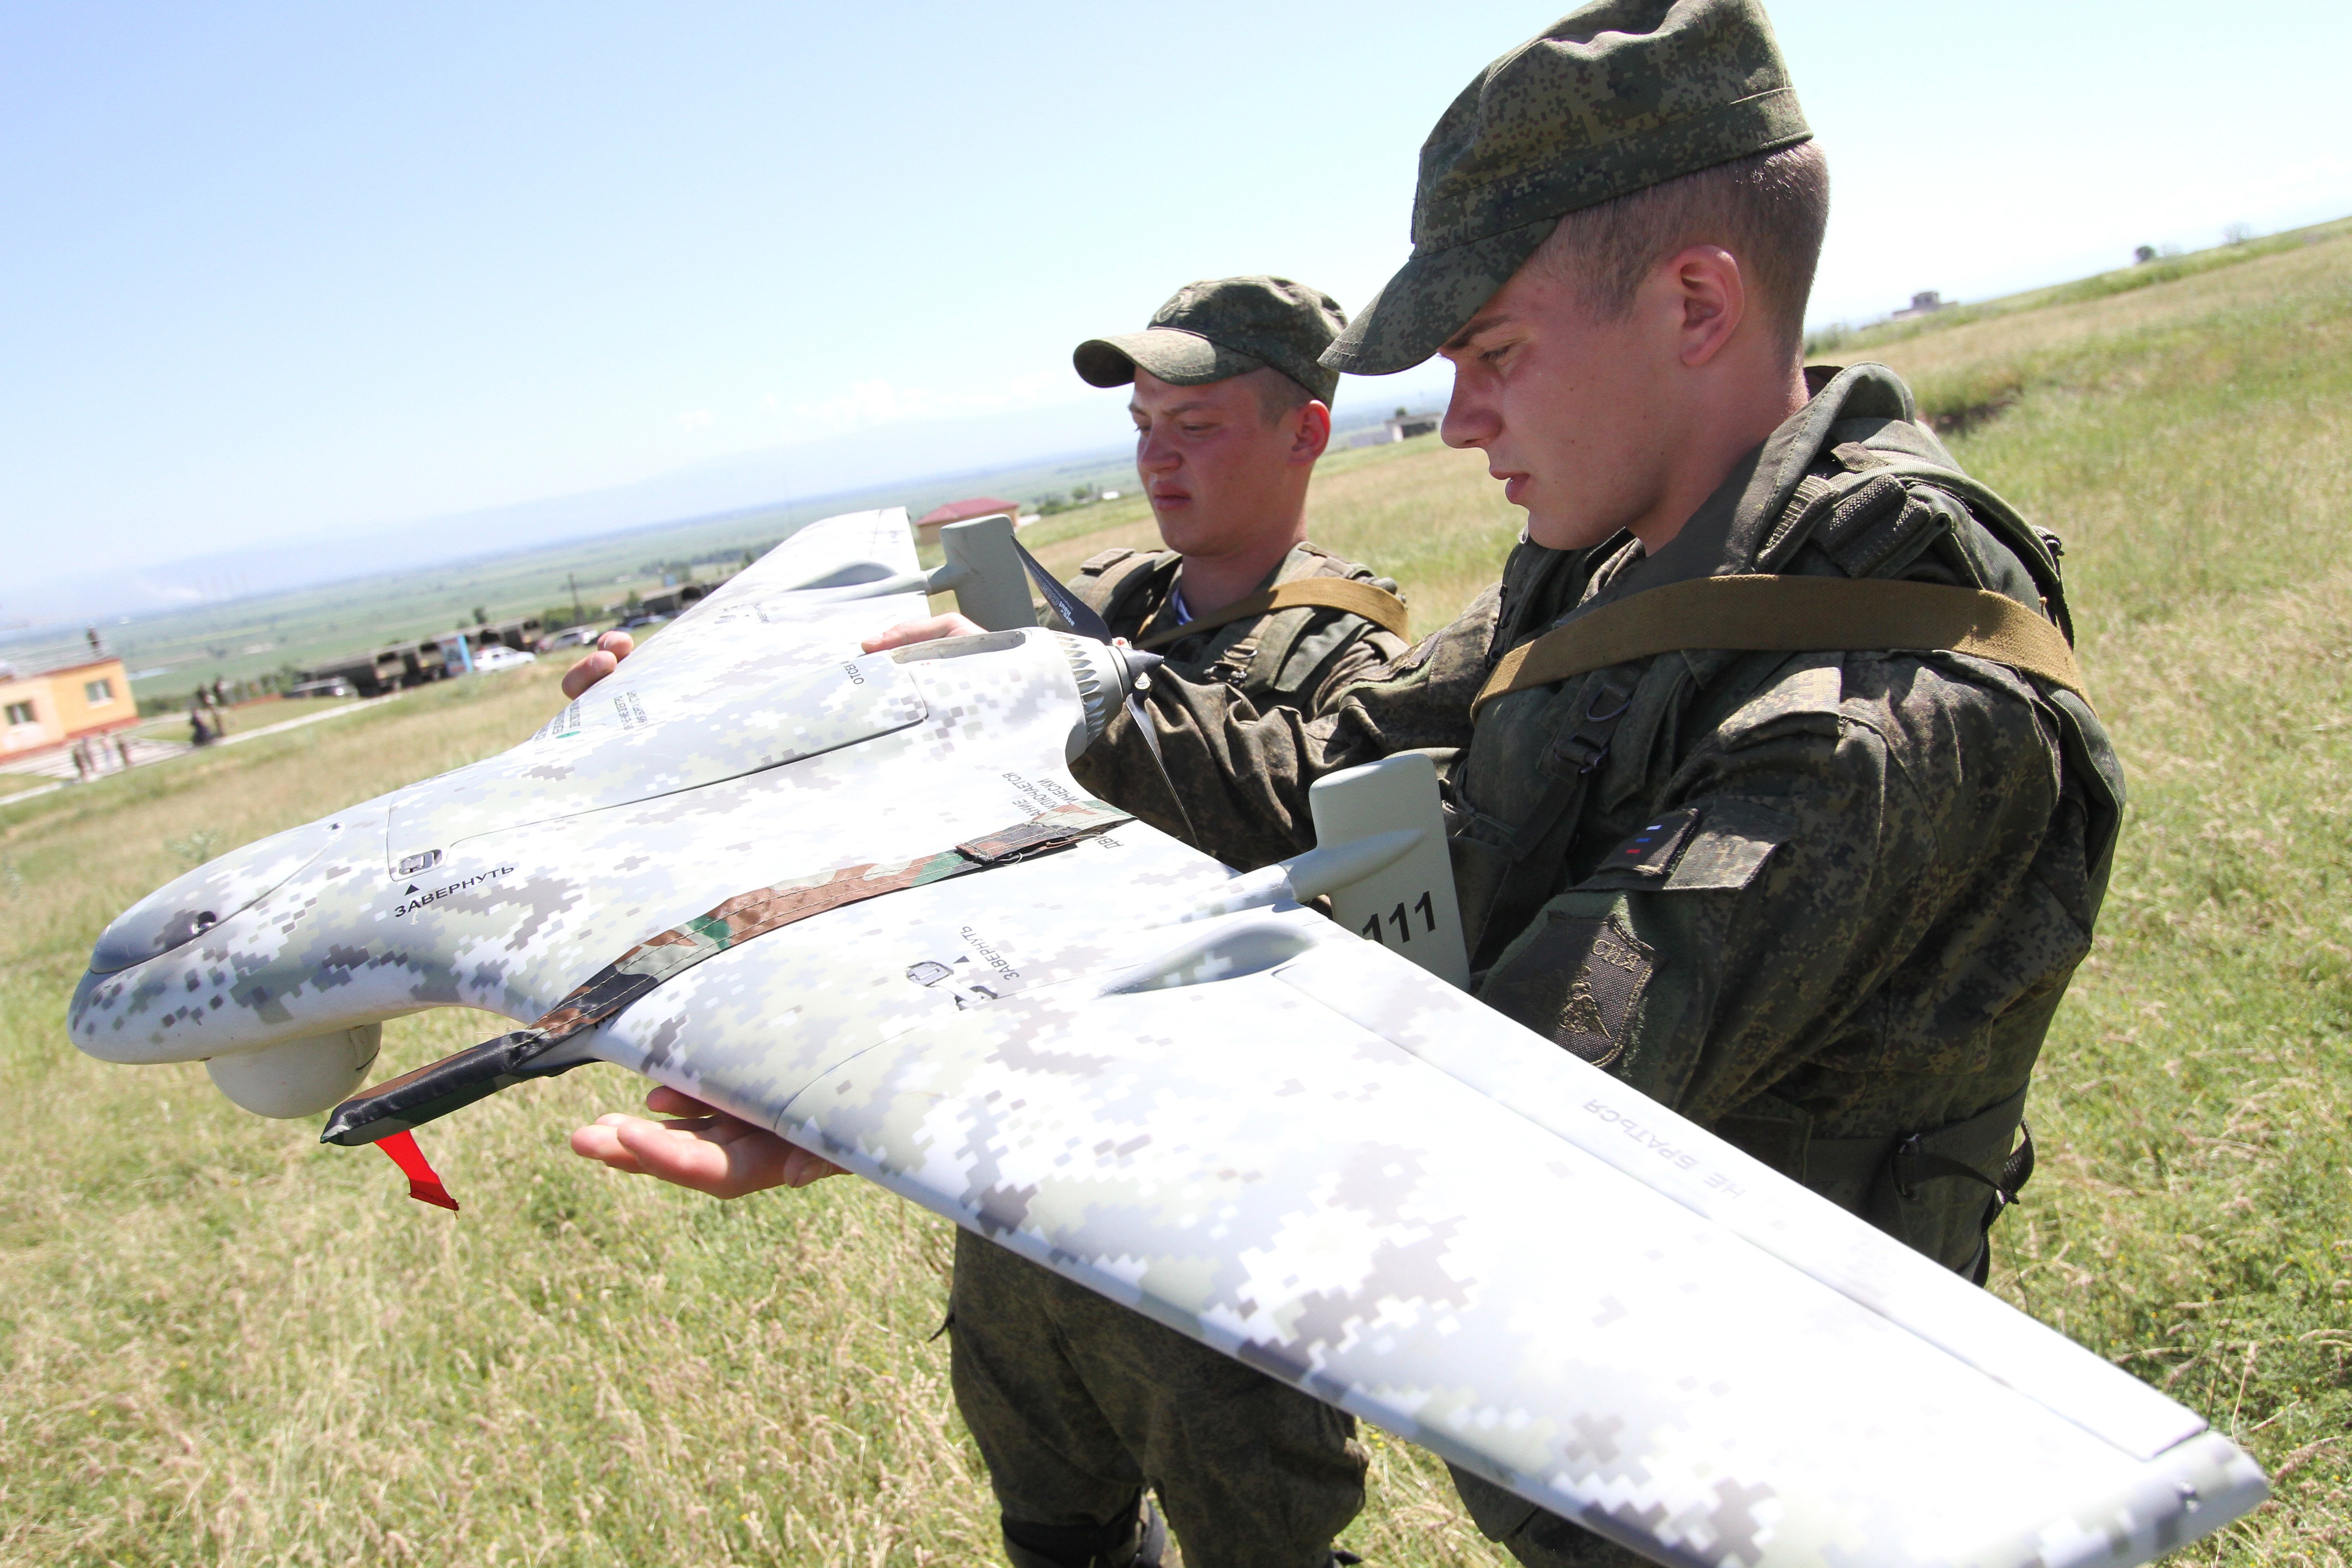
(220, 1342)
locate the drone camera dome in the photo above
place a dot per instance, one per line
(298, 1078)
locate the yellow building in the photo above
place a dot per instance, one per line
(59, 706)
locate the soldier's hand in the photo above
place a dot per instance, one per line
(706, 1149)
(609, 650)
(931, 630)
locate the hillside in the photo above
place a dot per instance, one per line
(221, 1342)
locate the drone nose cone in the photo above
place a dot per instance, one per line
(181, 911)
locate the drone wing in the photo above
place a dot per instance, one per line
(1296, 1147)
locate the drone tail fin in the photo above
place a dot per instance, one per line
(424, 1182)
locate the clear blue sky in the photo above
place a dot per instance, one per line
(271, 271)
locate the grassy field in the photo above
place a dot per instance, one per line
(220, 1342)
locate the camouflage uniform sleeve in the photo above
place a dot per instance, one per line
(1857, 933)
(1242, 773)
(1366, 660)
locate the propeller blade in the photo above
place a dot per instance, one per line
(1076, 613)
(1135, 710)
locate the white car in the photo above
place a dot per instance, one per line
(499, 657)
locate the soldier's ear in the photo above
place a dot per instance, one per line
(1313, 433)
(1707, 289)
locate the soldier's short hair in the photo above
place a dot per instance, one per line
(1768, 209)
(1278, 394)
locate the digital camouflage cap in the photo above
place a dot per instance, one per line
(1613, 97)
(1225, 327)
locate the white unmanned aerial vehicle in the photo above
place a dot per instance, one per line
(859, 899)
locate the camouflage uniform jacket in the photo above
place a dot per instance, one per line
(1819, 902)
(1297, 657)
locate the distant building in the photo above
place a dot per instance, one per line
(1923, 304)
(1404, 428)
(928, 526)
(399, 665)
(57, 707)
(672, 599)
(655, 600)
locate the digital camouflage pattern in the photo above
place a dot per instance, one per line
(440, 1087)
(1616, 96)
(1815, 902)
(1222, 328)
(1174, 1087)
(1298, 657)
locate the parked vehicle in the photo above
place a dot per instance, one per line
(498, 656)
(571, 637)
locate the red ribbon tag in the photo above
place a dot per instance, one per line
(424, 1185)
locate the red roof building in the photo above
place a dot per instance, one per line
(928, 526)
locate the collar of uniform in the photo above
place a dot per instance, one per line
(1867, 402)
(1301, 560)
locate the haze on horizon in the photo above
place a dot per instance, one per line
(281, 274)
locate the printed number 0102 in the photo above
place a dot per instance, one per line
(1401, 920)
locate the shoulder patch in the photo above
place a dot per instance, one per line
(1578, 981)
(1716, 846)
(1654, 848)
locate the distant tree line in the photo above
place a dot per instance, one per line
(1080, 495)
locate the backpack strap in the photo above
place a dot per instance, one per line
(1373, 604)
(1759, 614)
(1110, 583)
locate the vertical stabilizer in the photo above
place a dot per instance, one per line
(1407, 906)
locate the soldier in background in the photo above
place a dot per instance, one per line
(1232, 410)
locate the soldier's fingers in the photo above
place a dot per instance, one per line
(588, 673)
(599, 1142)
(929, 630)
(617, 643)
(665, 1101)
(802, 1167)
(725, 1167)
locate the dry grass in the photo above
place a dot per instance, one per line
(220, 1342)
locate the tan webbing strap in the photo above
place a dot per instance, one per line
(1792, 614)
(1378, 605)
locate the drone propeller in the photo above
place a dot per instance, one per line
(1081, 619)
(1076, 613)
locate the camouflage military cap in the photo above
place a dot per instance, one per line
(1225, 327)
(1613, 97)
